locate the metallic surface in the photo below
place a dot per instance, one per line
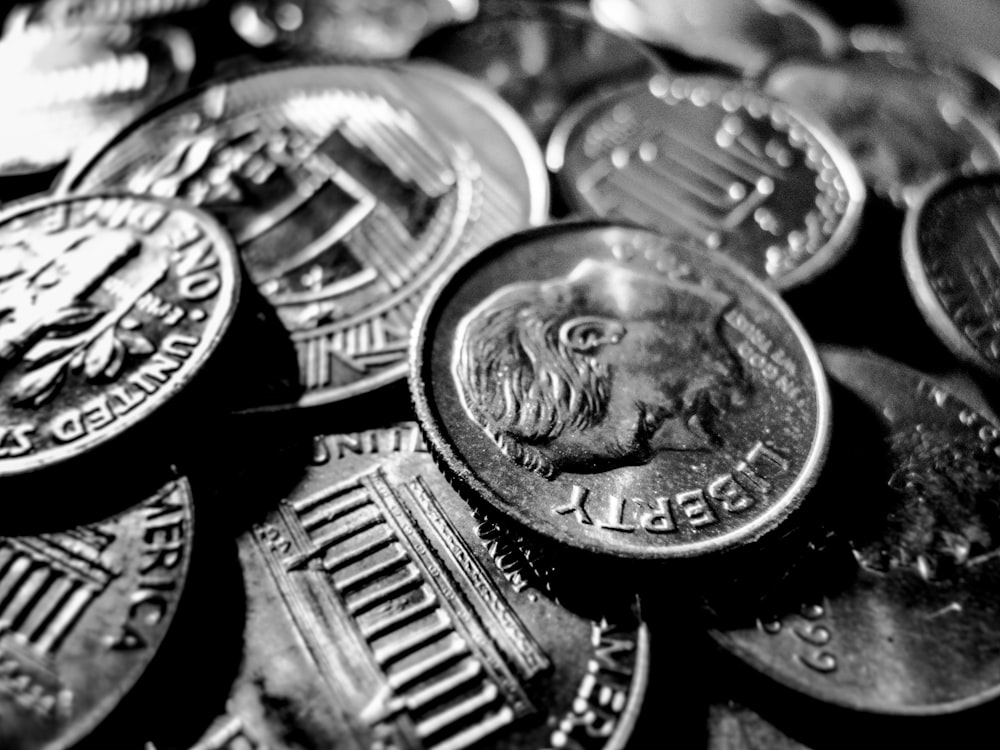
(897, 612)
(717, 162)
(82, 613)
(347, 189)
(110, 307)
(540, 57)
(732, 726)
(618, 392)
(951, 252)
(383, 613)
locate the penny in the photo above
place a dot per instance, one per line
(111, 306)
(82, 613)
(382, 612)
(744, 34)
(345, 29)
(348, 189)
(951, 250)
(903, 122)
(619, 392)
(722, 164)
(540, 57)
(896, 614)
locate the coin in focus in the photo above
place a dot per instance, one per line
(382, 612)
(111, 306)
(347, 189)
(619, 392)
(951, 250)
(540, 57)
(717, 162)
(83, 612)
(896, 613)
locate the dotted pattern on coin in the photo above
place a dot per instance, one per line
(951, 248)
(618, 392)
(82, 615)
(724, 165)
(897, 613)
(110, 307)
(347, 189)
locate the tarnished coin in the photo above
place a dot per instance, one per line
(903, 122)
(346, 29)
(540, 57)
(951, 251)
(618, 392)
(744, 34)
(82, 613)
(109, 307)
(898, 612)
(717, 162)
(382, 613)
(348, 189)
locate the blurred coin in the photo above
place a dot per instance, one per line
(348, 189)
(382, 613)
(951, 249)
(540, 57)
(732, 726)
(898, 613)
(83, 612)
(618, 392)
(720, 163)
(903, 121)
(745, 34)
(345, 29)
(98, 12)
(109, 308)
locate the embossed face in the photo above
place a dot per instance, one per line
(601, 368)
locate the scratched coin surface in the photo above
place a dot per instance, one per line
(347, 189)
(382, 613)
(903, 121)
(897, 612)
(619, 392)
(744, 34)
(951, 249)
(724, 165)
(109, 307)
(540, 57)
(82, 613)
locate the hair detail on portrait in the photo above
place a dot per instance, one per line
(539, 365)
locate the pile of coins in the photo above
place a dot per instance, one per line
(433, 374)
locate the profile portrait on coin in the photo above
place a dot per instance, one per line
(602, 368)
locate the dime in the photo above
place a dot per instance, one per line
(348, 189)
(540, 57)
(82, 613)
(111, 306)
(383, 613)
(898, 613)
(744, 34)
(951, 250)
(346, 29)
(903, 121)
(722, 164)
(619, 392)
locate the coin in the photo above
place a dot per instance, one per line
(111, 306)
(381, 613)
(897, 613)
(951, 250)
(901, 120)
(82, 613)
(105, 11)
(348, 189)
(744, 34)
(345, 29)
(540, 57)
(717, 162)
(616, 391)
